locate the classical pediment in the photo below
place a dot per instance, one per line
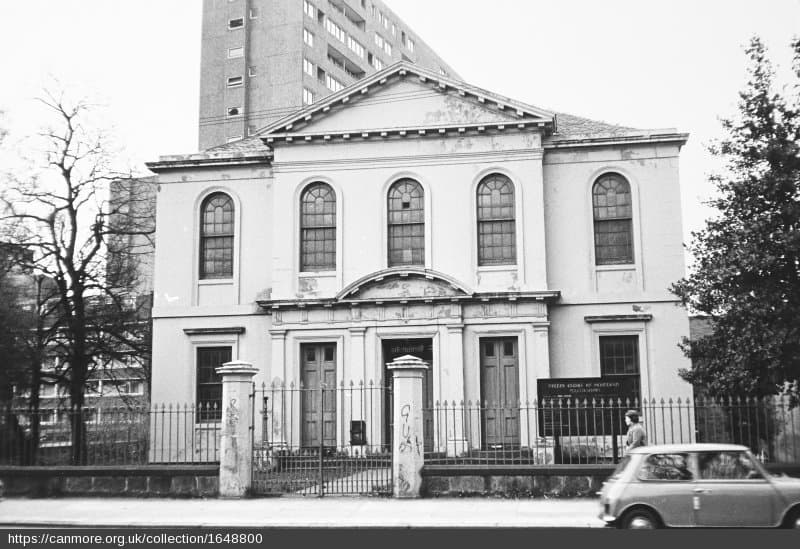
(408, 103)
(403, 285)
(405, 98)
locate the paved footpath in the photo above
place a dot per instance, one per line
(301, 512)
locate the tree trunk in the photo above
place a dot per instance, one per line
(35, 414)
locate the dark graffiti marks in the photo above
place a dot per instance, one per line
(407, 445)
(403, 486)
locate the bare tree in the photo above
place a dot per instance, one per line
(76, 233)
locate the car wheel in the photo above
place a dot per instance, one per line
(640, 519)
(793, 519)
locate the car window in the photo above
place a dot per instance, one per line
(666, 467)
(726, 466)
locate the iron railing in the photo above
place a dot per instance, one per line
(322, 440)
(170, 434)
(573, 431)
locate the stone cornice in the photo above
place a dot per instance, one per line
(214, 331)
(200, 160)
(399, 161)
(271, 305)
(435, 131)
(618, 318)
(643, 139)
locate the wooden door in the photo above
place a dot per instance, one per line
(500, 392)
(318, 396)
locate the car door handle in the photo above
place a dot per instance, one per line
(701, 491)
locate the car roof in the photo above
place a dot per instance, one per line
(674, 448)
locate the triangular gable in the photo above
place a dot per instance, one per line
(403, 98)
(407, 103)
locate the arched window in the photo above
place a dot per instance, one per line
(216, 237)
(613, 220)
(318, 228)
(497, 228)
(406, 202)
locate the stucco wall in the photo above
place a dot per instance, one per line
(449, 171)
(183, 302)
(652, 171)
(177, 290)
(554, 248)
(574, 343)
(638, 289)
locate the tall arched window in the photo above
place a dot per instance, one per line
(613, 220)
(318, 228)
(216, 237)
(497, 227)
(406, 208)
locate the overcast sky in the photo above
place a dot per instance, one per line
(646, 64)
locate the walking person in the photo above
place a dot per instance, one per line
(636, 433)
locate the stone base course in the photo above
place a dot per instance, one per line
(146, 481)
(203, 481)
(532, 486)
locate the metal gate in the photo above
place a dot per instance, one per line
(318, 440)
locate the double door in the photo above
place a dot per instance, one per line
(499, 392)
(318, 395)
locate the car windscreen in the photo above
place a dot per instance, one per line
(623, 463)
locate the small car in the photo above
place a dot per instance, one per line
(703, 485)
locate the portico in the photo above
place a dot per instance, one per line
(478, 345)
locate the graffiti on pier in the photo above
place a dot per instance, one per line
(403, 486)
(232, 417)
(407, 445)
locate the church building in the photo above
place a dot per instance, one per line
(414, 214)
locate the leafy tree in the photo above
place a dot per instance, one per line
(746, 276)
(73, 231)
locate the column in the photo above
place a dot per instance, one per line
(277, 391)
(357, 397)
(236, 452)
(453, 393)
(541, 350)
(541, 370)
(407, 438)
